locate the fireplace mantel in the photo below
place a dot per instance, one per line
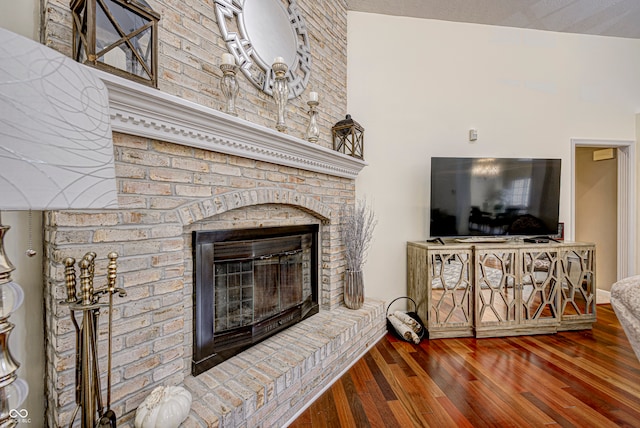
(147, 112)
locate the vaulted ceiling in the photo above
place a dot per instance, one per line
(619, 18)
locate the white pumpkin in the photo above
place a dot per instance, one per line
(165, 407)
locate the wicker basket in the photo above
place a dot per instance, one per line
(413, 314)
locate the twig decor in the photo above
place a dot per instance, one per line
(358, 224)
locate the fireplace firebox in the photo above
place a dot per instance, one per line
(250, 284)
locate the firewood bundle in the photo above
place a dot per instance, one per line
(405, 326)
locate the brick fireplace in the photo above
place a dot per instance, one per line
(182, 168)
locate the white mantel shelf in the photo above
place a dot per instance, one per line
(139, 110)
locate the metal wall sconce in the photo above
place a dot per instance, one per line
(118, 36)
(348, 137)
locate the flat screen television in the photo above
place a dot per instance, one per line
(494, 197)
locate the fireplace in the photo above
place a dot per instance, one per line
(250, 284)
(183, 168)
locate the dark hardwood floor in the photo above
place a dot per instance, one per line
(570, 379)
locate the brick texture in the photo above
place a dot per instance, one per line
(166, 191)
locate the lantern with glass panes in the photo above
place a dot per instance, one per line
(348, 137)
(118, 36)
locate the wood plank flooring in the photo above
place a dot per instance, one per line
(571, 379)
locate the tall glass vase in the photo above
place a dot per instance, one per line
(353, 289)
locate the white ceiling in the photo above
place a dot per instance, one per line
(619, 18)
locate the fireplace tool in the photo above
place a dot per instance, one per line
(88, 393)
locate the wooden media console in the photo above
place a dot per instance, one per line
(502, 288)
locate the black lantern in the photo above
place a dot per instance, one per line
(118, 36)
(348, 137)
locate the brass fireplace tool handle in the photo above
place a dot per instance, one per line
(87, 300)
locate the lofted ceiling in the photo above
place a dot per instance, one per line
(618, 18)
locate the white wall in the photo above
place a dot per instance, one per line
(21, 17)
(417, 86)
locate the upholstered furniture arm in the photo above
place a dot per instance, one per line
(625, 300)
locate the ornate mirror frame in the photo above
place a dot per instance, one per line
(256, 30)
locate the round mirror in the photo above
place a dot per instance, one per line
(267, 25)
(257, 31)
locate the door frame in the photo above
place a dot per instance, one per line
(626, 211)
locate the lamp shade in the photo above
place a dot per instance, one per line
(56, 150)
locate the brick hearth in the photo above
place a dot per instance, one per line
(270, 383)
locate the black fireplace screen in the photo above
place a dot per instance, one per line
(250, 284)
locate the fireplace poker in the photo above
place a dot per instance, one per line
(109, 417)
(70, 278)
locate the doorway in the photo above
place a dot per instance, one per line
(603, 205)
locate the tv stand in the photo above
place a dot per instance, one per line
(536, 240)
(540, 240)
(436, 240)
(502, 289)
(481, 240)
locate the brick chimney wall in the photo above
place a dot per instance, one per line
(167, 190)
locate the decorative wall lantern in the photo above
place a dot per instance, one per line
(118, 36)
(348, 137)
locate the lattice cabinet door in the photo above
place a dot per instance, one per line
(578, 289)
(450, 296)
(540, 285)
(496, 291)
(439, 279)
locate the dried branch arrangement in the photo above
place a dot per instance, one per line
(358, 224)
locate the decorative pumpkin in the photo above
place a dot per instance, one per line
(165, 407)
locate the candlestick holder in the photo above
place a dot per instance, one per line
(280, 92)
(229, 86)
(313, 132)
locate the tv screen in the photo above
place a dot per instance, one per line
(494, 197)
